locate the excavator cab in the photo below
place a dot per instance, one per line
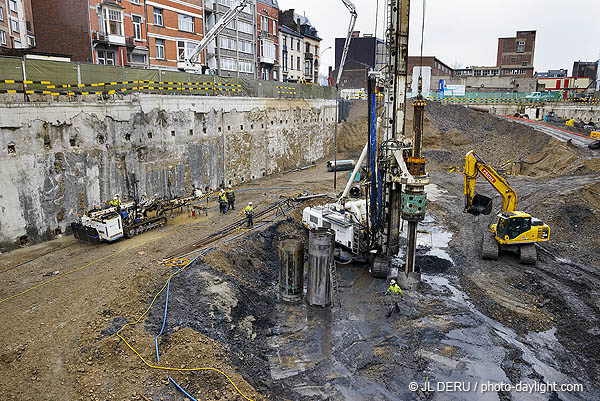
(480, 205)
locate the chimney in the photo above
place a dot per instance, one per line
(298, 24)
(356, 34)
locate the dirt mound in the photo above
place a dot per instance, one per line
(556, 156)
(452, 130)
(574, 218)
(352, 136)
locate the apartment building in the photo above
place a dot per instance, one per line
(234, 51)
(175, 28)
(16, 25)
(268, 39)
(291, 54)
(312, 41)
(515, 54)
(138, 33)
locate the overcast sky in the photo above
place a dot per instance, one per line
(466, 32)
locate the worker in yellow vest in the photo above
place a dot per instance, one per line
(394, 288)
(248, 212)
(230, 195)
(222, 201)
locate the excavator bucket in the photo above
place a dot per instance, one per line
(481, 205)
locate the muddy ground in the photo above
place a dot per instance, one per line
(472, 321)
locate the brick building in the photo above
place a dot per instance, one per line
(234, 51)
(16, 25)
(267, 23)
(117, 32)
(438, 68)
(175, 28)
(515, 54)
(291, 57)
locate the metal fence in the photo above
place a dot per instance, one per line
(64, 79)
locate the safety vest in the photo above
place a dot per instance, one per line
(248, 209)
(394, 288)
(223, 197)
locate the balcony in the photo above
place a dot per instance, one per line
(308, 56)
(110, 39)
(266, 60)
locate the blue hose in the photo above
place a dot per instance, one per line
(202, 253)
(182, 390)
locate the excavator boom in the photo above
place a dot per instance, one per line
(478, 204)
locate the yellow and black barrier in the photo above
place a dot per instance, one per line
(58, 89)
(285, 90)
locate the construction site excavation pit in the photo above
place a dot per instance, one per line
(471, 320)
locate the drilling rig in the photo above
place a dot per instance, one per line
(396, 177)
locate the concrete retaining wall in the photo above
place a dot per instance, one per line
(585, 112)
(59, 159)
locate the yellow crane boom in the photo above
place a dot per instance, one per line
(478, 204)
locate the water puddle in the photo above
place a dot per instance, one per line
(484, 354)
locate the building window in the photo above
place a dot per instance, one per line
(158, 17)
(136, 2)
(106, 57)
(1, 14)
(267, 49)
(245, 46)
(231, 25)
(264, 74)
(308, 69)
(14, 24)
(264, 24)
(298, 67)
(2, 37)
(138, 58)
(274, 28)
(226, 42)
(228, 64)
(246, 66)
(137, 26)
(115, 22)
(12, 5)
(227, 3)
(520, 46)
(185, 49)
(245, 27)
(186, 23)
(285, 64)
(160, 48)
(298, 46)
(284, 43)
(308, 47)
(31, 41)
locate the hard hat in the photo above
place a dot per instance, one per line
(230, 187)
(250, 203)
(222, 190)
(393, 282)
(116, 196)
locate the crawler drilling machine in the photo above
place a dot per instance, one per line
(395, 187)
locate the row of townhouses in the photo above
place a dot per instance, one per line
(262, 42)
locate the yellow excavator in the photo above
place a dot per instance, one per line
(515, 231)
